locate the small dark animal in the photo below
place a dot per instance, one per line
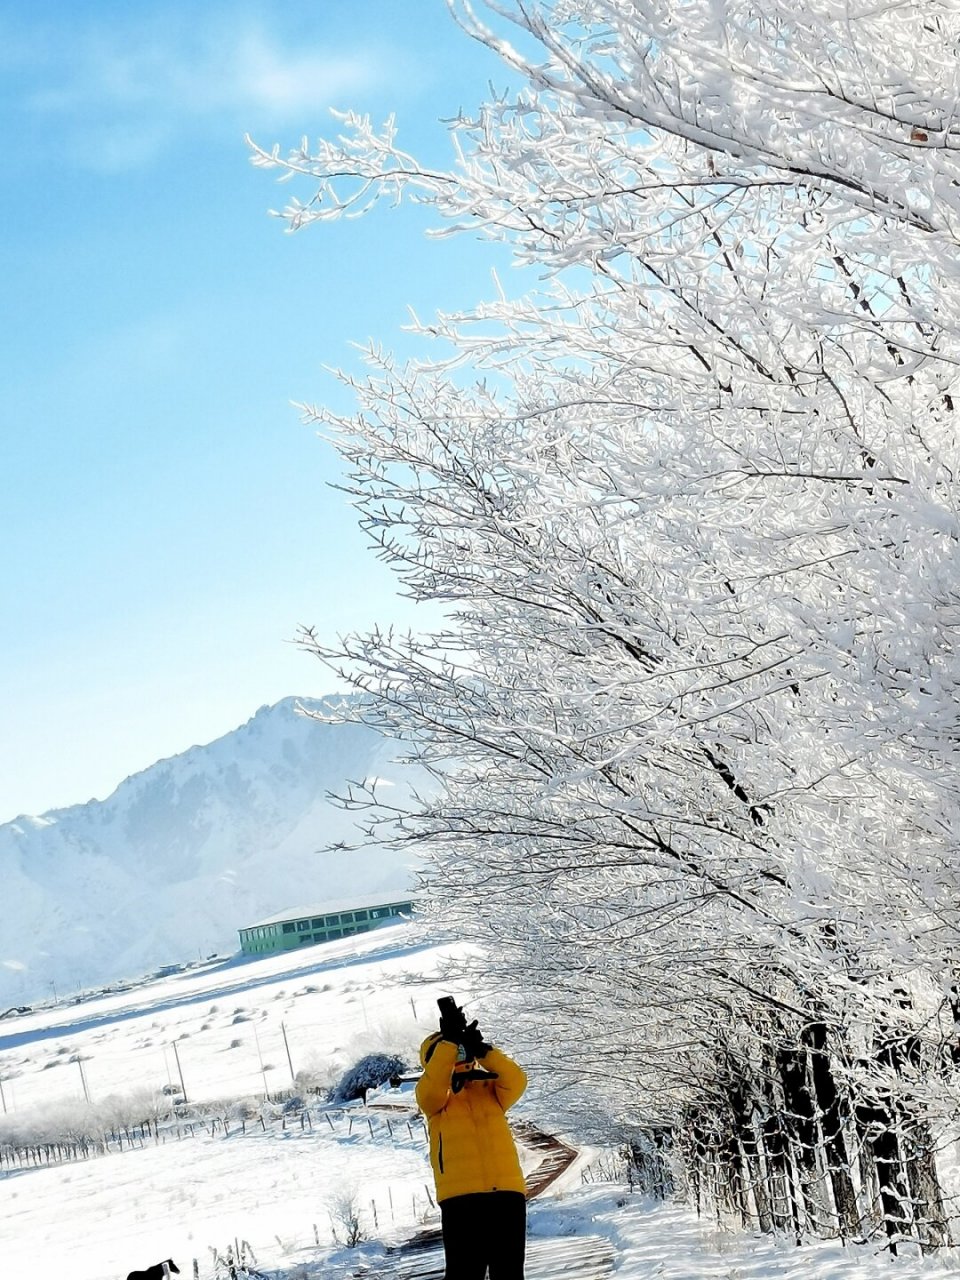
(154, 1272)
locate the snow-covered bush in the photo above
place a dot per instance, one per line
(243, 1109)
(345, 1220)
(369, 1073)
(318, 1076)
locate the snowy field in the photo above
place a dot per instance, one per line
(280, 1185)
(216, 1024)
(274, 1187)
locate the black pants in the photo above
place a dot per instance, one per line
(484, 1230)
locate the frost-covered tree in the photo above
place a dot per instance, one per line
(691, 503)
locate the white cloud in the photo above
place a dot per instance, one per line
(284, 83)
(130, 91)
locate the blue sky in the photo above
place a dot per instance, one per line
(166, 515)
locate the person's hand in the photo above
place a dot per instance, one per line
(453, 1025)
(473, 1042)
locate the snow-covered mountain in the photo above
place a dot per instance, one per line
(183, 854)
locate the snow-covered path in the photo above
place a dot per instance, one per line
(575, 1257)
(601, 1230)
(668, 1242)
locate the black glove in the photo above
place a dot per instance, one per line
(452, 1023)
(473, 1042)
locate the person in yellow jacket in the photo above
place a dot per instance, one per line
(466, 1088)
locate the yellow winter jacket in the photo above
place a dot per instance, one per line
(471, 1146)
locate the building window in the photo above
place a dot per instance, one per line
(331, 920)
(303, 926)
(335, 933)
(317, 924)
(346, 917)
(289, 927)
(360, 915)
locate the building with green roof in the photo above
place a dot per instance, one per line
(324, 923)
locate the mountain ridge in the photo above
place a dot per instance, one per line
(183, 853)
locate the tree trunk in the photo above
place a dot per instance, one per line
(930, 1217)
(734, 1173)
(742, 1108)
(871, 1209)
(698, 1162)
(832, 1110)
(776, 1145)
(877, 1126)
(801, 1122)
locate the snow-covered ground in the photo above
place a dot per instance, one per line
(281, 1185)
(668, 1242)
(224, 1019)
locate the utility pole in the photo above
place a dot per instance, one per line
(183, 1087)
(263, 1070)
(83, 1079)
(286, 1045)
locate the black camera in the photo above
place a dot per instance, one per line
(452, 1020)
